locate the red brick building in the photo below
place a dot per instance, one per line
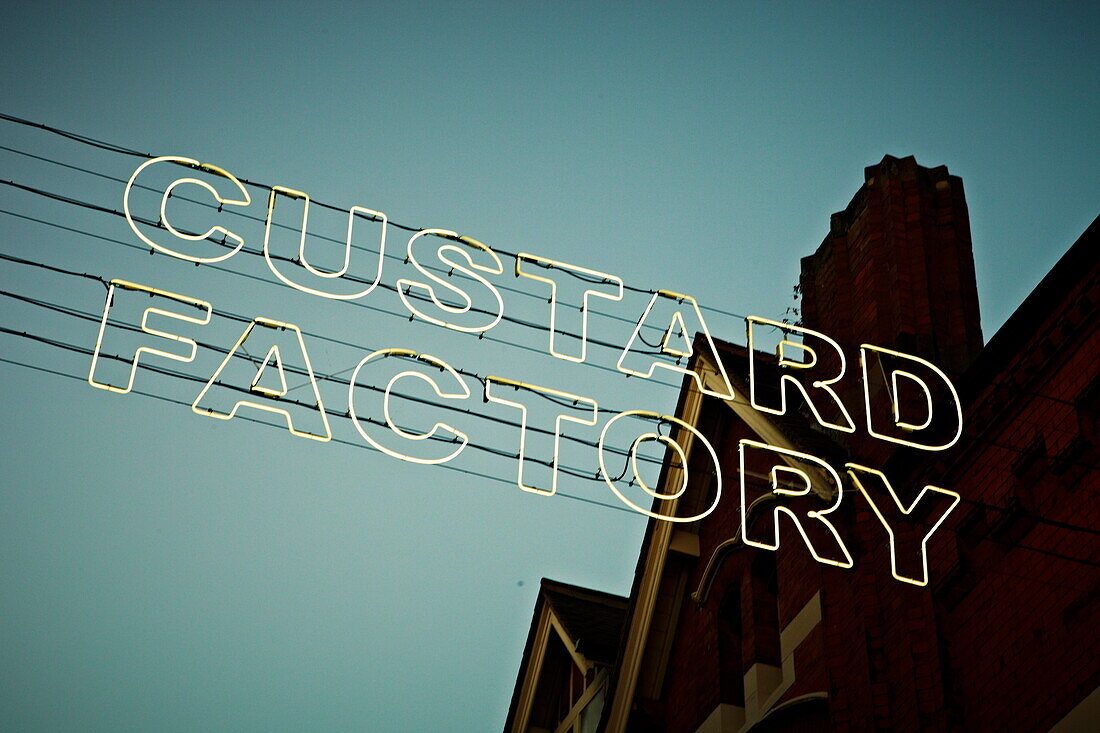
(718, 635)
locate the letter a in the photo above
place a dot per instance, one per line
(665, 313)
(239, 382)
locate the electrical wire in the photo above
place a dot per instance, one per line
(114, 148)
(128, 151)
(168, 372)
(333, 378)
(444, 406)
(164, 371)
(237, 212)
(341, 441)
(386, 286)
(323, 337)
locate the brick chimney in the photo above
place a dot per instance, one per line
(897, 268)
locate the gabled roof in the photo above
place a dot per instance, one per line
(591, 619)
(1071, 270)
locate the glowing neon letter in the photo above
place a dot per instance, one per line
(328, 284)
(161, 299)
(237, 375)
(797, 502)
(579, 282)
(939, 504)
(400, 359)
(553, 405)
(680, 465)
(478, 322)
(788, 364)
(675, 344)
(865, 350)
(222, 254)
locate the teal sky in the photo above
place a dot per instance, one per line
(163, 571)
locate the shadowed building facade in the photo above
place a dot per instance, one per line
(721, 636)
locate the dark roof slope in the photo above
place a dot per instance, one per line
(1078, 262)
(593, 619)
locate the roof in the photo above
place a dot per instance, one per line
(1023, 324)
(1075, 268)
(592, 619)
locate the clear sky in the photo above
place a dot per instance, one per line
(161, 570)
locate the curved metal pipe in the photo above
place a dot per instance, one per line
(725, 548)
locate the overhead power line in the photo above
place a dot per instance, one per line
(237, 212)
(572, 471)
(266, 187)
(465, 372)
(356, 303)
(341, 441)
(333, 378)
(118, 149)
(1014, 545)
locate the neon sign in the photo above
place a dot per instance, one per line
(803, 487)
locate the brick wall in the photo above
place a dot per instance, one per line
(1004, 637)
